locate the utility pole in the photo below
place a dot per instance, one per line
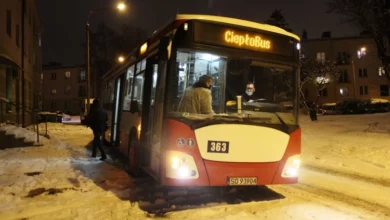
(88, 65)
(22, 70)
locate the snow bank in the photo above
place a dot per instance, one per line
(19, 132)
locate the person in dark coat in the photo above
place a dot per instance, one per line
(97, 121)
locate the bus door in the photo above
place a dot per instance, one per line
(115, 118)
(152, 123)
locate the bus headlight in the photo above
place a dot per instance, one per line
(180, 165)
(291, 168)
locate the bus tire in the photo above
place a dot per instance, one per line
(131, 153)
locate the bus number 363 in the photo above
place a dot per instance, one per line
(218, 147)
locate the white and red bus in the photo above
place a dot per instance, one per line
(243, 143)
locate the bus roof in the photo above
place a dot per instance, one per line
(181, 18)
(236, 21)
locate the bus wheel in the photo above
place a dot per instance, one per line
(132, 155)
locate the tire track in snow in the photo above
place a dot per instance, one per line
(366, 193)
(349, 200)
(383, 182)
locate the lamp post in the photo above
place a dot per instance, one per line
(360, 54)
(120, 7)
(121, 59)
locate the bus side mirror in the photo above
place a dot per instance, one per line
(134, 106)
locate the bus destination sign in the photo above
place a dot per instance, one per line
(220, 35)
(242, 40)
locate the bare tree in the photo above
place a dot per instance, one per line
(318, 73)
(372, 16)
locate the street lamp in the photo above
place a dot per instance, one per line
(121, 7)
(360, 54)
(121, 59)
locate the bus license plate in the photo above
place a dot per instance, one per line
(241, 181)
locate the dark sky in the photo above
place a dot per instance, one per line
(64, 20)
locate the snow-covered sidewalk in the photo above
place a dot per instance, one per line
(59, 181)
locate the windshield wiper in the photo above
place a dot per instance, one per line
(286, 128)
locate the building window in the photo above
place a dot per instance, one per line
(53, 76)
(344, 91)
(381, 71)
(53, 91)
(53, 105)
(362, 72)
(343, 76)
(323, 92)
(82, 76)
(321, 57)
(384, 90)
(67, 74)
(66, 105)
(17, 36)
(363, 90)
(81, 91)
(342, 58)
(67, 90)
(8, 25)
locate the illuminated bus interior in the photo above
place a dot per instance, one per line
(274, 84)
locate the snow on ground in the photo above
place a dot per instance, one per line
(344, 176)
(353, 144)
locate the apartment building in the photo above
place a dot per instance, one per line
(362, 75)
(64, 89)
(20, 61)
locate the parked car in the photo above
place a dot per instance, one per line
(330, 109)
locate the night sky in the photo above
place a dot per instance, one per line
(64, 20)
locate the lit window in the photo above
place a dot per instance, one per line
(344, 91)
(381, 71)
(321, 57)
(53, 91)
(67, 74)
(82, 76)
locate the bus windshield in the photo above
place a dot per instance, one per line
(241, 88)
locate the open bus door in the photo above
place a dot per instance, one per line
(152, 113)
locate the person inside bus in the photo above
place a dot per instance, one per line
(97, 121)
(197, 99)
(249, 95)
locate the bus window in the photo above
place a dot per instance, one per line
(154, 84)
(141, 66)
(274, 86)
(191, 65)
(128, 88)
(139, 89)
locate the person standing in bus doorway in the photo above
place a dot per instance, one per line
(97, 121)
(249, 95)
(197, 99)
